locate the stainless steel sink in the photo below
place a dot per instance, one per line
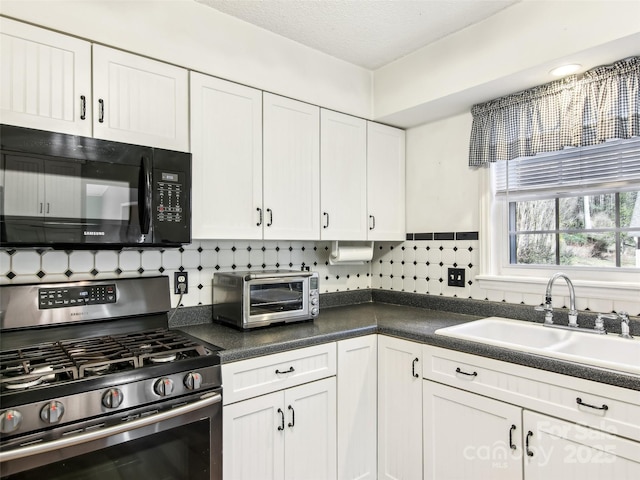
(604, 351)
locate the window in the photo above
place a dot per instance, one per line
(576, 207)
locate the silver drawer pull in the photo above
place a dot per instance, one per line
(604, 406)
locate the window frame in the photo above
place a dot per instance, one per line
(497, 273)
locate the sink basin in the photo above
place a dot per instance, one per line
(604, 351)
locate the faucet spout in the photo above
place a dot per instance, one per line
(573, 313)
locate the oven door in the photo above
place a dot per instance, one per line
(180, 442)
(276, 299)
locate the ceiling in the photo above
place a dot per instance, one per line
(368, 33)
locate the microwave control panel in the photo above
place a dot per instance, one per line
(61, 297)
(169, 191)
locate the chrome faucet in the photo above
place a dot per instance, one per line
(548, 307)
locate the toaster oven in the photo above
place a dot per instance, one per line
(259, 298)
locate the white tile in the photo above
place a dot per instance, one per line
(55, 262)
(190, 259)
(495, 295)
(225, 259)
(397, 284)
(376, 281)
(533, 299)
(385, 268)
(81, 261)
(513, 297)
(129, 260)
(435, 286)
(192, 246)
(5, 262)
(54, 277)
(208, 258)
(421, 270)
(205, 295)
(421, 254)
(25, 262)
(20, 279)
(397, 269)
(385, 282)
(171, 259)
(397, 254)
(106, 261)
(151, 260)
(409, 270)
(78, 276)
(463, 257)
(241, 258)
(599, 305)
(421, 285)
(476, 292)
(632, 308)
(448, 257)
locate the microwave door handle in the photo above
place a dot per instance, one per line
(144, 196)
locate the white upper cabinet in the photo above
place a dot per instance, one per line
(139, 100)
(45, 79)
(343, 180)
(226, 143)
(291, 169)
(386, 182)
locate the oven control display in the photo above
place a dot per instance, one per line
(61, 297)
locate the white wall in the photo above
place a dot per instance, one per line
(200, 38)
(442, 191)
(510, 51)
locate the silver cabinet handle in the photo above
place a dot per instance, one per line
(372, 222)
(326, 216)
(83, 107)
(100, 110)
(270, 212)
(73, 440)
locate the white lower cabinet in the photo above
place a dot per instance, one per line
(279, 416)
(289, 434)
(357, 408)
(558, 449)
(399, 409)
(514, 434)
(467, 436)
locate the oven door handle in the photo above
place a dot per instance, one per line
(205, 401)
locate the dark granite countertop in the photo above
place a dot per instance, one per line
(410, 323)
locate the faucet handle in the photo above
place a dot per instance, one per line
(548, 312)
(624, 325)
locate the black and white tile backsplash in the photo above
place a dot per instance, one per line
(417, 265)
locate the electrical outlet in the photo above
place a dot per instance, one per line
(455, 277)
(180, 279)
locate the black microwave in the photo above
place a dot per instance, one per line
(69, 192)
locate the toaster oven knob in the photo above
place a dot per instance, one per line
(52, 412)
(163, 387)
(193, 380)
(314, 301)
(314, 311)
(112, 398)
(10, 421)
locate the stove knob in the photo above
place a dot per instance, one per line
(163, 387)
(193, 380)
(112, 398)
(10, 421)
(52, 412)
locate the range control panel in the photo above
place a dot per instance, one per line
(76, 296)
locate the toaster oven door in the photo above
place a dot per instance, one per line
(276, 300)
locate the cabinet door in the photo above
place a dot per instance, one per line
(23, 187)
(291, 162)
(46, 79)
(386, 182)
(226, 143)
(559, 449)
(253, 439)
(469, 436)
(343, 176)
(399, 409)
(311, 431)
(139, 100)
(357, 408)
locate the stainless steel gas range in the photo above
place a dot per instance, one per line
(93, 384)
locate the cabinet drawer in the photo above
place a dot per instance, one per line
(269, 373)
(597, 405)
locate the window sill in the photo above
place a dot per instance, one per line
(614, 291)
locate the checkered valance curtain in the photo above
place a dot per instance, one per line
(603, 104)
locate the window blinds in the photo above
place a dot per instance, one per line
(610, 166)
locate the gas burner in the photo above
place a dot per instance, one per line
(24, 377)
(164, 358)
